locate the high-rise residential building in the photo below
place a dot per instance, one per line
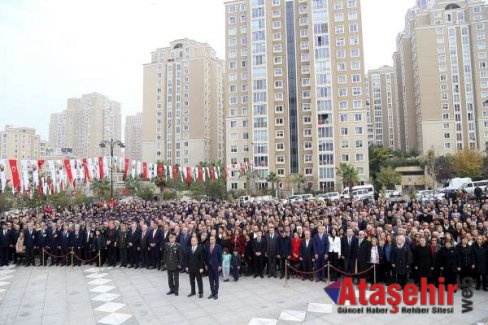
(19, 143)
(84, 124)
(183, 114)
(443, 65)
(133, 136)
(294, 89)
(383, 107)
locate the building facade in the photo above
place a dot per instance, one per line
(133, 136)
(183, 114)
(19, 143)
(443, 65)
(295, 91)
(383, 111)
(84, 124)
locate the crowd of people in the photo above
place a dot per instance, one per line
(319, 241)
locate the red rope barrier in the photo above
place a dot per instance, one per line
(305, 272)
(351, 274)
(55, 256)
(85, 261)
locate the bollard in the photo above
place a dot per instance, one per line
(99, 260)
(286, 274)
(72, 259)
(374, 273)
(43, 257)
(328, 271)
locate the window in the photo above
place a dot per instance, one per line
(308, 171)
(280, 146)
(344, 144)
(344, 131)
(342, 79)
(339, 29)
(307, 132)
(359, 143)
(342, 92)
(343, 117)
(352, 15)
(279, 121)
(280, 159)
(307, 120)
(345, 157)
(359, 157)
(307, 145)
(279, 109)
(281, 172)
(306, 106)
(353, 28)
(358, 130)
(233, 149)
(358, 117)
(280, 133)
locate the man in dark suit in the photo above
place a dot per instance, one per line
(364, 254)
(122, 244)
(154, 241)
(184, 241)
(349, 251)
(271, 251)
(4, 244)
(259, 249)
(307, 255)
(111, 236)
(213, 264)
(143, 246)
(30, 238)
(320, 244)
(133, 247)
(66, 244)
(165, 239)
(172, 260)
(85, 249)
(195, 265)
(78, 240)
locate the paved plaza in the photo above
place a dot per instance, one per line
(65, 295)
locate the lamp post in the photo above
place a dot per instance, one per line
(111, 144)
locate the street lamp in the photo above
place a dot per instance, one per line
(111, 144)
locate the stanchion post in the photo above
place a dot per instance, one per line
(328, 271)
(99, 260)
(72, 258)
(42, 256)
(286, 274)
(374, 273)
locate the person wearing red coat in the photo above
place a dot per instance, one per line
(296, 241)
(237, 243)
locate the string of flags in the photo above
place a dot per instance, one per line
(54, 176)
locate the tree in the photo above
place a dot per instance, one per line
(348, 174)
(443, 168)
(7, 200)
(378, 157)
(467, 163)
(101, 189)
(273, 179)
(388, 178)
(298, 180)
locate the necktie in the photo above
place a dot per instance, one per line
(193, 249)
(349, 241)
(211, 248)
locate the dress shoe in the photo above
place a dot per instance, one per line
(269, 276)
(191, 294)
(216, 297)
(255, 276)
(210, 297)
(169, 293)
(176, 293)
(200, 295)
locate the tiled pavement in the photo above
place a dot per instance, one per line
(64, 295)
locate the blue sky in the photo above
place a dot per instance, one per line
(51, 50)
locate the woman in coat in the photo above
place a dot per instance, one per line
(334, 253)
(422, 261)
(295, 251)
(480, 253)
(466, 259)
(448, 261)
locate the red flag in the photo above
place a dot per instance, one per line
(160, 171)
(15, 174)
(212, 173)
(40, 163)
(188, 175)
(175, 172)
(67, 166)
(85, 170)
(200, 174)
(144, 170)
(126, 167)
(100, 167)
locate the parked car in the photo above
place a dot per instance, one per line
(295, 198)
(392, 193)
(469, 187)
(346, 193)
(331, 196)
(307, 197)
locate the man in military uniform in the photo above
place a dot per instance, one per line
(172, 260)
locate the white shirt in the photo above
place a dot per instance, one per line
(375, 257)
(335, 245)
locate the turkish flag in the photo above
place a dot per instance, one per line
(100, 167)
(15, 174)
(188, 175)
(175, 172)
(200, 174)
(85, 170)
(144, 170)
(212, 173)
(160, 171)
(69, 172)
(40, 163)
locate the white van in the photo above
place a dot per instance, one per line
(346, 194)
(469, 187)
